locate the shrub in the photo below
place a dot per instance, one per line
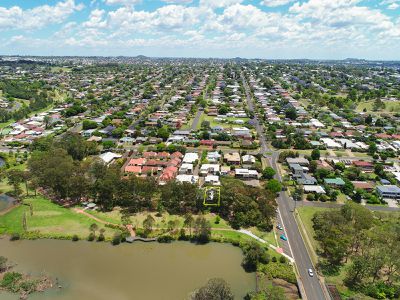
(282, 259)
(283, 271)
(101, 237)
(217, 220)
(75, 238)
(165, 239)
(91, 237)
(15, 237)
(274, 259)
(116, 240)
(10, 281)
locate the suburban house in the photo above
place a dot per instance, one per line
(246, 174)
(232, 158)
(306, 179)
(186, 169)
(209, 169)
(213, 157)
(298, 160)
(334, 182)
(108, 157)
(297, 170)
(366, 166)
(190, 158)
(363, 185)
(388, 191)
(317, 189)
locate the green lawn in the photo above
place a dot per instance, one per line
(232, 235)
(306, 213)
(213, 123)
(390, 107)
(48, 219)
(267, 236)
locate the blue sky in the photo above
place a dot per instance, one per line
(331, 29)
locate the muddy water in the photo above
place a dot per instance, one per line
(97, 271)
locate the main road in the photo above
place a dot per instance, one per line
(312, 287)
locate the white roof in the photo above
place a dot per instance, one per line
(190, 157)
(314, 188)
(246, 171)
(187, 178)
(316, 123)
(214, 167)
(107, 157)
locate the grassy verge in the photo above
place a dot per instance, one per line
(48, 220)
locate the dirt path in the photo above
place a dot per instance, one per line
(81, 211)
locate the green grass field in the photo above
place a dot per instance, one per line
(306, 213)
(390, 107)
(214, 123)
(47, 219)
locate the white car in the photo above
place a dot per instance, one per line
(311, 272)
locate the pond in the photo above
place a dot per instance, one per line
(6, 202)
(129, 271)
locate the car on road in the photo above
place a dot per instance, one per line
(279, 226)
(310, 272)
(283, 237)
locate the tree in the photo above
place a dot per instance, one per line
(163, 133)
(202, 229)
(15, 178)
(188, 222)
(253, 254)
(88, 124)
(215, 289)
(268, 173)
(291, 113)
(274, 186)
(46, 121)
(93, 228)
(148, 224)
(315, 154)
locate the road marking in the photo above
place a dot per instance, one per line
(284, 229)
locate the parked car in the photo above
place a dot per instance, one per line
(279, 226)
(283, 237)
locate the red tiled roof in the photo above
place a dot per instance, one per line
(147, 169)
(177, 154)
(137, 161)
(335, 134)
(154, 162)
(133, 169)
(150, 154)
(361, 163)
(383, 136)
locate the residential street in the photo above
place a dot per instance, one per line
(312, 286)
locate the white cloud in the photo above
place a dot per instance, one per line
(38, 17)
(219, 3)
(122, 2)
(96, 19)
(177, 1)
(393, 6)
(275, 3)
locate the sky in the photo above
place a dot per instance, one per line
(270, 29)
